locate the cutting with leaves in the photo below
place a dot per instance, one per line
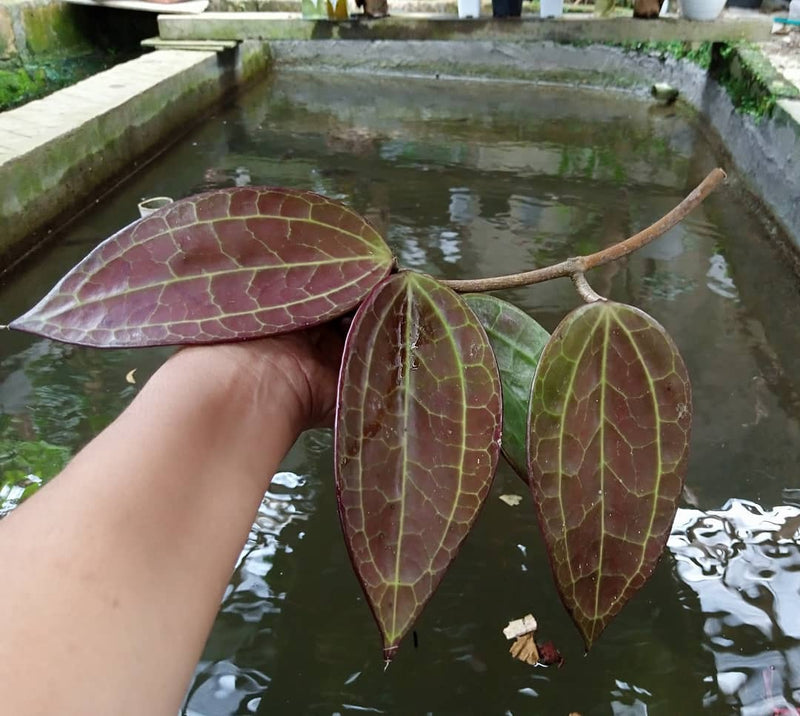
(437, 376)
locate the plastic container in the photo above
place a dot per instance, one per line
(704, 10)
(554, 8)
(149, 206)
(469, 8)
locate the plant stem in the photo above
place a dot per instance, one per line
(587, 293)
(580, 264)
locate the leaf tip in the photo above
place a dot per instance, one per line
(388, 655)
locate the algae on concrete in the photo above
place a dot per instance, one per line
(46, 45)
(52, 29)
(751, 81)
(106, 123)
(23, 81)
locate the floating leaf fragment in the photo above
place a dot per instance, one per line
(511, 500)
(130, 376)
(518, 627)
(609, 433)
(549, 655)
(418, 428)
(524, 648)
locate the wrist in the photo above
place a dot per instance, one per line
(244, 397)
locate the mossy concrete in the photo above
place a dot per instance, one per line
(56, 151)
(51, 27)
(575, 29)
(753, 84)
(8, 40)
(35, 27)
(47, 44)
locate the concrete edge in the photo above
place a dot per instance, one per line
(575, 29)
(75, 142)
(765, 151)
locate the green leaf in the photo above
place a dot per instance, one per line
(609, 435)
(418, 430)
(222, 266)
(518, 342)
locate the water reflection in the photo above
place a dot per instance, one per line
(743, 563)
(228, 685)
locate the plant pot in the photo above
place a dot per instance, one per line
(506, 8)
(703, 10)
(148, 206)
(551, 8)
(469, 8)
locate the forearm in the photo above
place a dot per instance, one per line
(136, 540)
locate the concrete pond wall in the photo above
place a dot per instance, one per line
(56, 151)
(764, 149)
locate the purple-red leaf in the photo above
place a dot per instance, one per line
(417, 442)
(222, 266)
(609, 433)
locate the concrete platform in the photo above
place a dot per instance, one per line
(57, 151)
(576, 29)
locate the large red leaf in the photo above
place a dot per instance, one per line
(417, 442)
(609, 433)
(226, 265)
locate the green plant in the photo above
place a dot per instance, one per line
(595, 417)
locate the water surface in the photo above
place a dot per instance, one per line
(471, 180)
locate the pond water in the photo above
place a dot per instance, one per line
(475, 179)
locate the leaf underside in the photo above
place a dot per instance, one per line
(418, 430)
(609, 433)
(226, 265)
(517, 341)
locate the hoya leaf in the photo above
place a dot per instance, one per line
(418, 430)
(227, 265)
(609, 434)
(518, 341)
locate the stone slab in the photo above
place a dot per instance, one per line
(75, 141)
(209, 45)
(567, 29)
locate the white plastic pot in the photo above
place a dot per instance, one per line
(704, 10)
(551, 8)
(148, 206)
(469, 8)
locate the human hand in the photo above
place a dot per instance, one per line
(297, 372)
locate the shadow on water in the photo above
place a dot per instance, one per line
(467, 180)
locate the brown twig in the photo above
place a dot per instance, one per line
(586, 292)
(581, 264)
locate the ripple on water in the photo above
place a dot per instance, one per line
(743, 563)
(225, 687)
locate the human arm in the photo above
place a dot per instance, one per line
(113, 573)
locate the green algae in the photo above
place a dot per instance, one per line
(23, 81)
